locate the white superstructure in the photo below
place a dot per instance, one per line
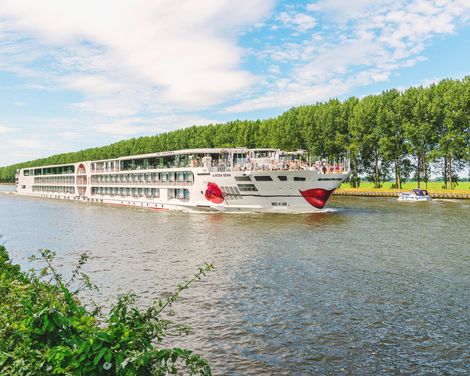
(235, 180)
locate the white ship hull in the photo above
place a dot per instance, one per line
(418, 196)
(204, 188)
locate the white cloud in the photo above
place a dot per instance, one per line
(274, 70)
(185, 51)
(4, 130)
(29, 148)
(134, 63)
(301, 22)
(133, 126)
(343, 10)
(26, 143)
(379, 38)
(123, 127)
(92, 84)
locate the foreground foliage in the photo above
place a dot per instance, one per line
(395, 134)
(44, 330)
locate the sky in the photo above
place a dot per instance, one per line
(79, 74)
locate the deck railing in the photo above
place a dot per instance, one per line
(130, 183)
(322, 167)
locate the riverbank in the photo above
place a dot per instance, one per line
(462, 191)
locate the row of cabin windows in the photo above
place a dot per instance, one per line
(55, 189)
(151, 177)
(61, 170)
(180, 194)
(55, 179)
(126, 192)
(267, 178)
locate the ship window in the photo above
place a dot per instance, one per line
(181, 194)
(330, 179)
(247, 188)
(242, 178)
(188, 177)
(296, 178)
(264, 178)
(26, 172)
(282, 178)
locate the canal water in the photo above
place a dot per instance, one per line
(371, 286)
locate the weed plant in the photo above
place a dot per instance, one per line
(45, 330)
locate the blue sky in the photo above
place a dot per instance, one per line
(78, 74)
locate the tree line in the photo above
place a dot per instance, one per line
(396, 135)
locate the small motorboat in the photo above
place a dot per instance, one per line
(415, 195)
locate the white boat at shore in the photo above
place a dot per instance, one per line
(415, 195)
(232, 180)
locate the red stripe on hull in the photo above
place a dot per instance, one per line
(317, 196)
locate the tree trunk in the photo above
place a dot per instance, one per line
(396, 180)
(357, 175)
(425, 172)
(376, 170)
(419, 168)
(450, 172)
(397, 175)
(354, 173)
(445, 173)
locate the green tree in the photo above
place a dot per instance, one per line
(418, 127)
(365, 137)
(392, 140)
(451, 102)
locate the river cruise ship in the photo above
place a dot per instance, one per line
(229, 180)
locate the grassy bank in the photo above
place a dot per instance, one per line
(433, 187)
(45, 330)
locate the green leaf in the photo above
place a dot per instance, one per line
(99, 355)
(108, 356)
(103, 336)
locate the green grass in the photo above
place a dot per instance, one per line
(432, 186)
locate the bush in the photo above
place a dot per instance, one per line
(45, 330)
(354, 182)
